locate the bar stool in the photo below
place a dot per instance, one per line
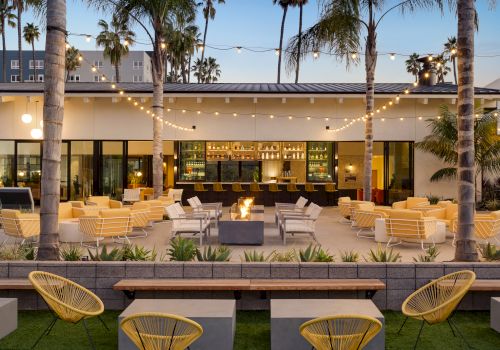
(255, 191)
(200, 190)
(292, 189)
(218, 189)
(310, 190)
(330, 190)
(274, 190)
(237, 190)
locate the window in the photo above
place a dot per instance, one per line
(137, 78)
(138, 64)
(40, 78)
(74, 78)
(31, 77)
(39, 64)
(14, 64)
(15, 78)
(96, 78)
(98, 64)
(31, 64)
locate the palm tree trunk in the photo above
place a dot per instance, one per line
(297, 69)
(4, 54)
(19, 41)
(370, 65)
(285, 10)
(53, 112)
(189, 69)
(183, 69)
(465, 245)
(455, 69)
(117, 73)
(158, 71)
(34, 65)
(204, 42)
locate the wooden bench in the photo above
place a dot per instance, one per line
(479, 285)
(15, 284)
(130, 286)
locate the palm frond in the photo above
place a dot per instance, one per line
(444, 174)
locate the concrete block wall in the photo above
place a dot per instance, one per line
(401, 279)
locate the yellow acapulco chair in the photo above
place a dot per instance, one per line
(67, 300)
(158, 331)
(342, 332)
(435, 302)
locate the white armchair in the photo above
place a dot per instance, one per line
(185, 223)
(295, 223)
(216, 206)
(212, 212)
(298, 207)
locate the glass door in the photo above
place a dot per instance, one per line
(82, 169)
(399, 170)
(29, 166)
(64, 171)
(112, 169)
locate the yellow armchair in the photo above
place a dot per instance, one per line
(156, 210)
(154, 330)
(435, 302)
(111, 223)
(104, 202)
(409, 225)
(68, 301)
(346, 332)
(410, 203)
(140, 214)
(365, 214)
(445, 212)
(20, 225)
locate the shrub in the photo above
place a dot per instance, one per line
(138, 253)
(221, 253)
(114, 255)
(489, 252)
(287, 256)
(315, 254)
(433, 199)
(71, 254)
(25, 251)
(349, 256)
(181, 249)
(383, 255)
(492, 205)
(430, 255)
(254, 256)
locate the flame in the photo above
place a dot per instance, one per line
(244, 211)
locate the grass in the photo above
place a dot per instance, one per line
(253, 332)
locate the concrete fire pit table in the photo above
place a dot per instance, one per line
(217, 317)
(288, 314)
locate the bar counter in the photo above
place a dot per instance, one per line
(228, 197)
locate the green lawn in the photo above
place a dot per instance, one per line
(252, 332)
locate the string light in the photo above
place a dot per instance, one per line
(315, 54)
(430, 58)
(88, 38)
(354, 55)
(277, 52)
(392, 56)
(238, 49)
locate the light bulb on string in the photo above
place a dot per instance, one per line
(453, 51)
(88, 38)
(26, 118)
(277, 52)
(238, 49)
(430, 58)
(36, 133)
(315, 54)
(354, 55)
(125, 42)
(392, 56)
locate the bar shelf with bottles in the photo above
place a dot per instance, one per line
(192, 161)
(319, 161)
(244, 151)
(218, 151)
(268, 150)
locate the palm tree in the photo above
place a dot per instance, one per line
(284, 5)
(31, 34)
(339, 30)
(442, 142)
(20, 6)
(72, 60)
(53, 113)
(207, 71)
(450, 51)
(465, 245)
(153, 16)
(439, 66)
(113, 37)
(301, 4)
(6, 18)
(413, 65)
(208, 13)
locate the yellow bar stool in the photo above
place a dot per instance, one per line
(330, 191)
(274, 190)
(256, 191)
(218, 190)
(237, 190)
(200, 190)
(292, 191)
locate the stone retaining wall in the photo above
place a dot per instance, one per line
(401, 279)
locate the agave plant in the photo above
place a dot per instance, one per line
(489, 252)
(349, 256)
(25, 251)
(71, 254)
(430, 255)
(114, 255)
(383, 255)
(255, 256)
(221, 253)
(138, 253)
(315, 254)
(181, 249)
(287, 256)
